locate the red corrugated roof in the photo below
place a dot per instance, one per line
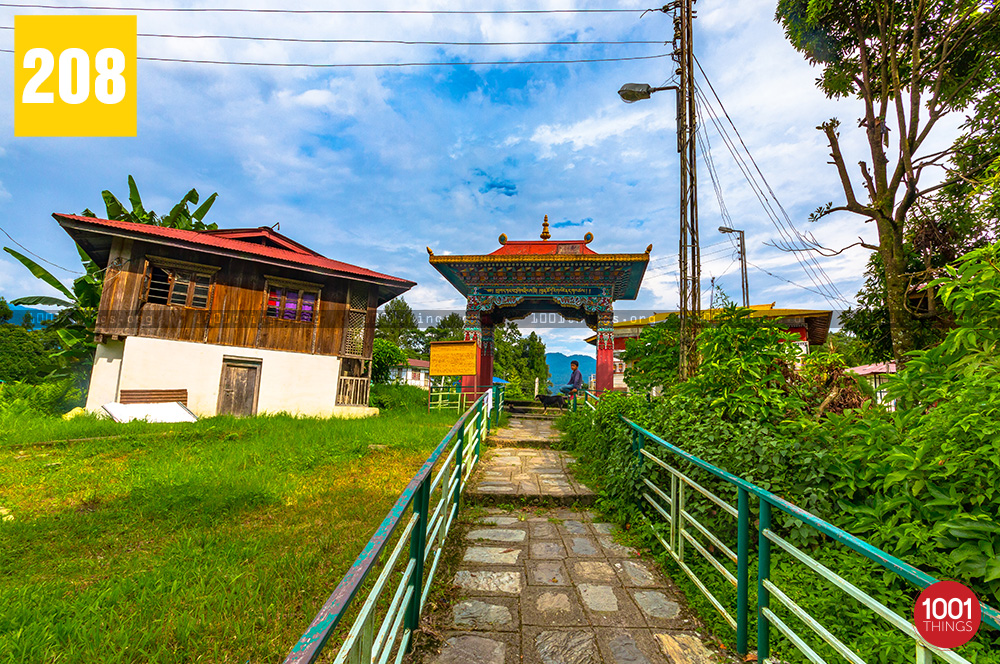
(419, 364)
(218, 241)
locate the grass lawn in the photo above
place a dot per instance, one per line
(209, 542)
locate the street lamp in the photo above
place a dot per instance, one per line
(633, 92)
(743, 263)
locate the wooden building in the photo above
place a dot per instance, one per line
(235, 321)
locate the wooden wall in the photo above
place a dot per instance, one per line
(235, 316)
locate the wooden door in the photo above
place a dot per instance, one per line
(239, 386)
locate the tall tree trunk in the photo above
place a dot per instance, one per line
(900, 319)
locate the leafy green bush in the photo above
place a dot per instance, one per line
(51, 398)
(402, 397)
(386, 356)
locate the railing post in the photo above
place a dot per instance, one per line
(742, 570)
(418, 545)
(574, 402)
(763, 574)
(637, 445)
(459, 466)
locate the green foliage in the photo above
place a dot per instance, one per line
(519, 360)
(180, 215)
(745, 367)
(397, 324)
(399, 397)
(5, 313)
(653, 359)
(386, 356)
(53, 397)
(22, 354)
(921, 482)
(926, 477)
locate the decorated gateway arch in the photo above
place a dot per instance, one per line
(524, 277)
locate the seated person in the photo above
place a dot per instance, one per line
(575, 380)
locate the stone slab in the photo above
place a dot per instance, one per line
(552, 606)
(489, 581)
(625, 613)
(685, 648)
(496, 535)
(547, 549)
(592, 571)
(629, 646)
(486, 614)
(547, 573)
(636, 574)
(472, 649)
(491, 555)
(541, 645)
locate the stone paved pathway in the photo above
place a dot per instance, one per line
(551, 586)
(528, 474)
(522, 430)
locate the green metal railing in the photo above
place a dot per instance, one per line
(589, 399)
(454, 397)
(686, 533)
(384, 626)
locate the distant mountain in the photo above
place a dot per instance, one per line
(37, 315)
(559, 367)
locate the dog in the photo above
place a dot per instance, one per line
(551, 400)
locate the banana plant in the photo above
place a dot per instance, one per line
(76, 320)
(180, 215)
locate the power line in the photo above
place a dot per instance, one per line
(29, 251)
(332, 65)
(786, 280)
(247, 10)
(812, 269)
(810, 262)
(403, 42)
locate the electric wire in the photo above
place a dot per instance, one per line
(788, 281)
(815, 272)
(249, 10)
(341, 65)
(821, 276)
(29, 251)
(403, 42)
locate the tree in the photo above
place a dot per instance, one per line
(653, 359)
(397, 325)
(22, 356)
(386, 356)
(910, 64)
(27, 322)
(5, 312)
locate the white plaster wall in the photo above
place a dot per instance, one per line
(297, 383)
(106, 374)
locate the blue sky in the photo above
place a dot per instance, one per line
(372, 165)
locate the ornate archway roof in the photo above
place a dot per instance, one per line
(544, 268)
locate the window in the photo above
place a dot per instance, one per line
(178, 286)
(293, 301)
(291, 304)
(357, 315)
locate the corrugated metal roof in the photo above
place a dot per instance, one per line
(877, 368)
(210, 240)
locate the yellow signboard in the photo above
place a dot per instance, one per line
(453, 358)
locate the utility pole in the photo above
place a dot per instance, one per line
(744, 284)
(690, 248)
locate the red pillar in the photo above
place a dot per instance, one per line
(605, 352)
(485, 364)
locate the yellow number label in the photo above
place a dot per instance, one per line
(74, 75)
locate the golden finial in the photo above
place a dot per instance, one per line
(545, 229)
(503, 238)
(649, 249)
(430, 251)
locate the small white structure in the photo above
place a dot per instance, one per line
(415, 372)
(877, 375)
